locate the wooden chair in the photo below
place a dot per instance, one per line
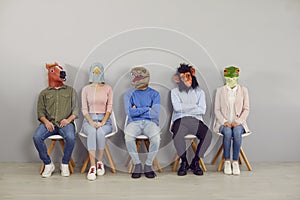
(242, 155)
(139, 139)
(106, 149)
(192, 139)
(60, 139)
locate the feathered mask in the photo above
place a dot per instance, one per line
(97, 73)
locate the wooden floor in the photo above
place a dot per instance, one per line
(267, 181)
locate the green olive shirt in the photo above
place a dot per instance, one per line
(57, 104)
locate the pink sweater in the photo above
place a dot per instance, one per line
(96, 100)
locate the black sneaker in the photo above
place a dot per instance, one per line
(195, 167)
(137, 171)
(149, 173)
(184, 166)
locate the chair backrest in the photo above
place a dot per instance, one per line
(171, 124)
(114, 125)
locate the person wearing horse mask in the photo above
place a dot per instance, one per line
(142, 107)
(189, 106)
(96, 98)
(231, 112)
(57, 108)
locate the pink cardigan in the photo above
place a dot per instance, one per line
(222, 107)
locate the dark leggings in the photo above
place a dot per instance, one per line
(190, 125)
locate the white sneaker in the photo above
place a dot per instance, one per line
(64, 170)
(91, 174)
(48, 170)
(227, 168)
(100, 168)
(235, 168)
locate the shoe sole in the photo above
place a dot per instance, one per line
(100, 174)
(52, 170)
(91, 179)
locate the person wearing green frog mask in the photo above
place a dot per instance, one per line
(231, 111)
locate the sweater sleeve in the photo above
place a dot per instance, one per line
(109, 100)
(245, 110)
(155, 109)
(84, 103)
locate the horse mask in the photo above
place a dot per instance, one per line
(231, 75)
(140, 77)
(185, 77)
(96, 73)
(56, 75)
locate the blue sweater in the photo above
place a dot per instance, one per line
(147, 103)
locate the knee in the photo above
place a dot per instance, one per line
(227, 132)
(129, 138)
(100, 134)
(155, 139)
(37, 137)
(70, 137)
(237, 135)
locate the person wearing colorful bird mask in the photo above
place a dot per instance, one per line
(231, 112)
(142, 107)
(189, 106)
(96, 99)
(57, 108)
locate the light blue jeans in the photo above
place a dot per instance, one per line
(67, 132)
(148, 128)
(234, 134)
(96, 136)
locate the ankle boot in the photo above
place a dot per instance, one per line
(184, 166)
(195, 167)
(137, 171)
(149, 173)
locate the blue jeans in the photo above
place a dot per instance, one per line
(67, 132)
(136, 128)
(234, 134)
(96, 136)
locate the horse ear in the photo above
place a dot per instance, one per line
(48, 65)
(56, 64)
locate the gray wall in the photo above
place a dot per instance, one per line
(261, 37)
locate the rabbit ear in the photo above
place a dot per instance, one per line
(176, 78)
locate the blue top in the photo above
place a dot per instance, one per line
(191, 103)
(147, 103)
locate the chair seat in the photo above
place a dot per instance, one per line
(243, 135)
(190, 137)
(55, 137)
(142, 137)
(106, 136)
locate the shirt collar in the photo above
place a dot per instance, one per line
(233, 89)
(52, 88)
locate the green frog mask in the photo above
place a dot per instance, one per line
(231, 75)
